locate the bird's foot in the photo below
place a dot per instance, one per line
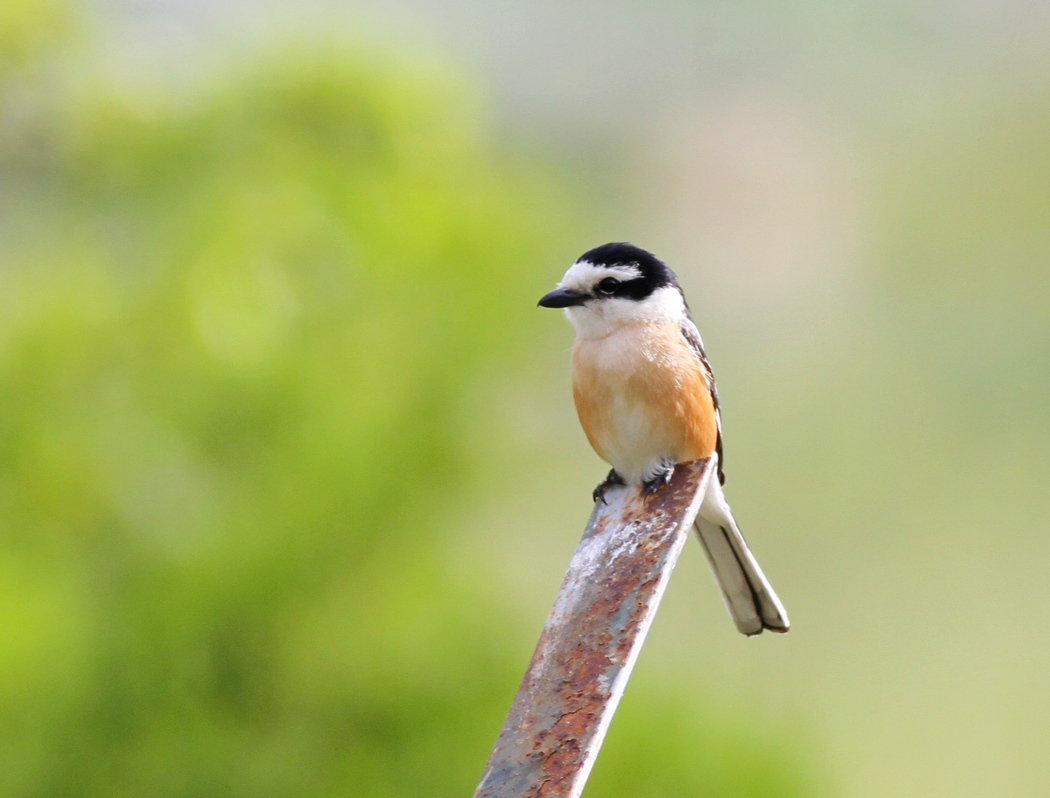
(658, 480)
(611, 481)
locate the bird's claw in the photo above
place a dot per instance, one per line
(657, 481)
(611, 481)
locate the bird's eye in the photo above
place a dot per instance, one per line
(607, 287)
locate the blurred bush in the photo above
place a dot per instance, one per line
(235, 330)
(27, 29)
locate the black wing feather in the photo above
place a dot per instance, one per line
(692, 336)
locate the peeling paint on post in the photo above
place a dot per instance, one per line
(580, 668)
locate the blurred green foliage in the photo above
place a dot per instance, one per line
(235, 335)
(27, 29)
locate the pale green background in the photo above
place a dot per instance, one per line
(289, 470)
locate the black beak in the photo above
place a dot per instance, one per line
(562, 298)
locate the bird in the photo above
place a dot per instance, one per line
(646, 399)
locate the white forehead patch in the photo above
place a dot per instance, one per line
(582, 276)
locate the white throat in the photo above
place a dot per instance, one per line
(601, 317)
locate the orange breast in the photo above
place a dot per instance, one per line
(641, 396)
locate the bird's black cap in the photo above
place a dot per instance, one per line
(619, 253)
(655, 273)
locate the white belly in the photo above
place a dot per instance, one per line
(639, 444)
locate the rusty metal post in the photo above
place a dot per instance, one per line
(584, 657)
